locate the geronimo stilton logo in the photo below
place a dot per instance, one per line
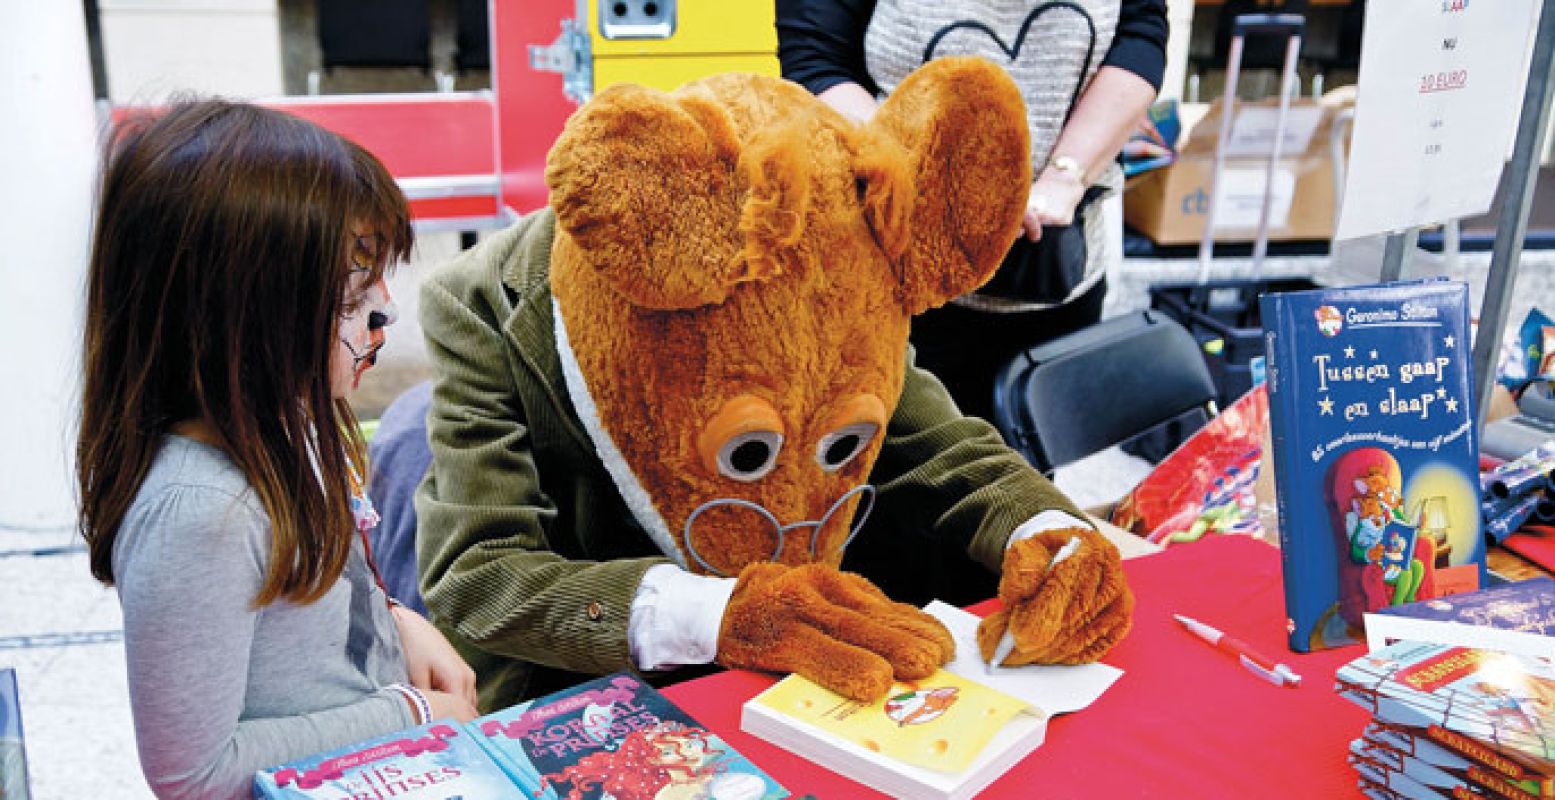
(1329, 320)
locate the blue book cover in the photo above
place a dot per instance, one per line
(13, 752)
(1376, 467)
(616, 737)
(438, 761)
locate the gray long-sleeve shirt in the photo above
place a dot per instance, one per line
(218, 688)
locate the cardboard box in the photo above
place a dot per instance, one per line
(1170, 205)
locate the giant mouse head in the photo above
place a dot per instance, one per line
(734, 269)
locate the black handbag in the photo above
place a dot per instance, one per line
(1049, 270)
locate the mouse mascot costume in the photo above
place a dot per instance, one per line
(667, 405)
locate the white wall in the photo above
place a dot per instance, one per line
(226, 47)
(48, 159)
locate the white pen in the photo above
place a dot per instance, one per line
(1006, 644)
(1001, 651)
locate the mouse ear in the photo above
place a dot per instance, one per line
(645, 184)
(962, 124)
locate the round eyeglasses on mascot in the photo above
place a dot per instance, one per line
(667, 404)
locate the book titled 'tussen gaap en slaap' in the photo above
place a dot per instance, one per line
(1376, 468)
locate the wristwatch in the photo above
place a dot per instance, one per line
(1069, 165)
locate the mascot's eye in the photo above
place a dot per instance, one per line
(750, 456)
(742, 440)
(840, 446)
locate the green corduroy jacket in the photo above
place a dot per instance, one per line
(529, 558)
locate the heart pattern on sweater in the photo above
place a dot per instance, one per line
(1049, 22)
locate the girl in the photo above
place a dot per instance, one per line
(235, 295)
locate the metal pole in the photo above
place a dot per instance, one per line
(1288, 77)
(1396, 252)
(1515, 205)
(1338, 136)
(1452, 245)
(1227, 111)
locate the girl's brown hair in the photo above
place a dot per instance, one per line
(224, 240)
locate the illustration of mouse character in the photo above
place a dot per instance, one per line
(1375, 483)
(924, 705)
(1365, 523)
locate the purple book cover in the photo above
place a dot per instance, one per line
(1527, 605)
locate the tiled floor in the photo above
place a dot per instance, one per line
(74, 701)
(75, 707)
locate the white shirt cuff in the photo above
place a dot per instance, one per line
(1049, 520)
(676, 617)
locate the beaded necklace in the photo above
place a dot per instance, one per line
(361, 505)
(366, 518)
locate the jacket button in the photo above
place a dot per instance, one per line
(595, 611)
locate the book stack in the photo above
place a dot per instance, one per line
(1452, 721)
(614, 737)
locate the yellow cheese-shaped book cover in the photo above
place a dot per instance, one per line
(939, 723)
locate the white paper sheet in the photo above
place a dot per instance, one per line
(1252, 131)
(1440, 90)
(1239, 197)
(1055, 690)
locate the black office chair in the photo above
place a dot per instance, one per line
(1100, 386)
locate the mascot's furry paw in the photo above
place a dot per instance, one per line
(1065, 600)
(832, 627)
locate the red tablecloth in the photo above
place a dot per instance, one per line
(1185, 720)
(1535, 543)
